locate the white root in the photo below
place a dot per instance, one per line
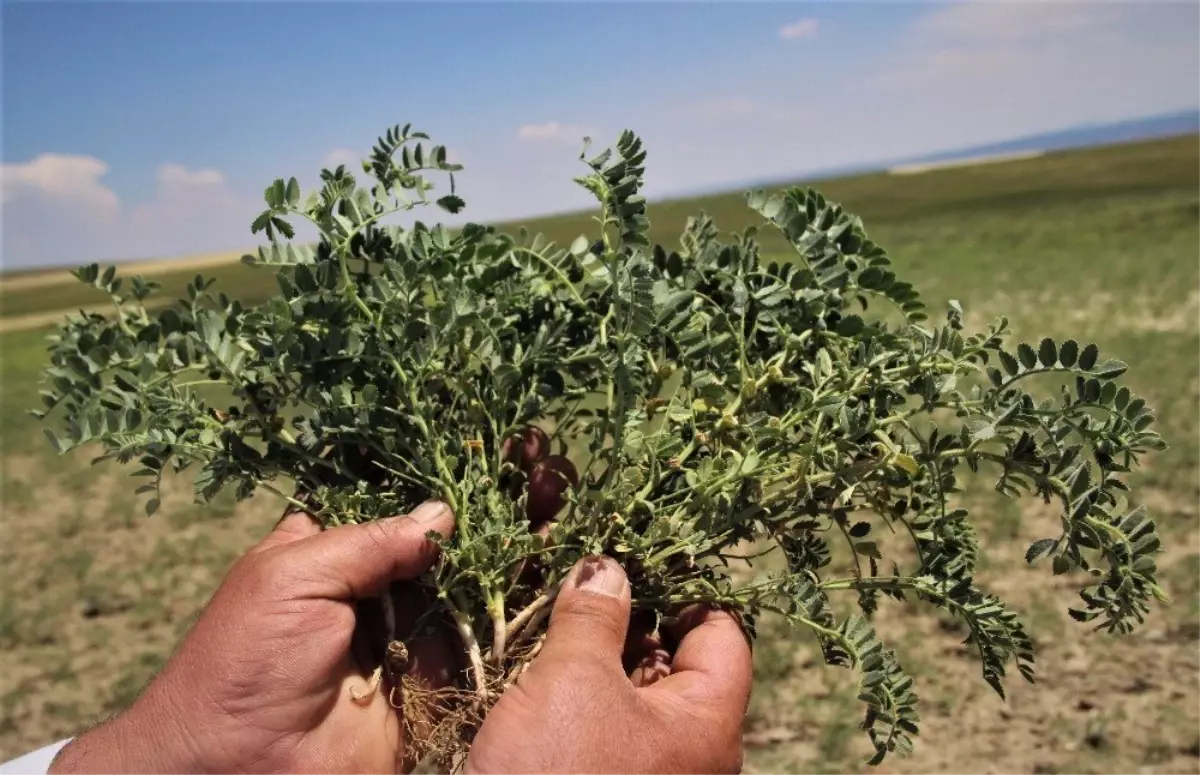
(527, 620)
(474, 654)
(363, 696)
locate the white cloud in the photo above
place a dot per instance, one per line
(64, 213)
(984, 71)
(554, 131)
(64, 178)
(342, 156)
(1017, 21)
(800, 29)
(176, 175)
(191, 211)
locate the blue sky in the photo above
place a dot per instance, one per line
(143, 129)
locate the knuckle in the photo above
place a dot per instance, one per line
(591, 616)
(377, 533)
(264, 573)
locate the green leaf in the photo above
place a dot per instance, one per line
(1048, 352)
(1110, 369)
(293, 192)
(275, 194)
(345, 223)
(872, 279)
(1028, 357)
(1087, 359)
(867, 549)
(1040, 548)
(451, 203)
(1068, 353)
(850, 326)
(284, 227)
(1121, 400)
(907, 463)
(152, 506)
(55, 441)
(1010, 363)
(261, 222)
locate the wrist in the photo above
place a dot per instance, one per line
(136, 740)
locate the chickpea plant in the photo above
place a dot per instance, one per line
(694, 409)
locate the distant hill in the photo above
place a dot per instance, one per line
(1081, 136)
(1085, 135)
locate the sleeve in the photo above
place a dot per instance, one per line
(33, 763)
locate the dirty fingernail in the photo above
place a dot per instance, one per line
(601, 576)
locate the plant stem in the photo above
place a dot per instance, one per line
(276, 491)
(499, 628)
(471, 643)
(519, 622)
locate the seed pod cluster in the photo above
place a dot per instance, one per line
(545, 477)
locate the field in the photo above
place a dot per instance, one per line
(1099, 245)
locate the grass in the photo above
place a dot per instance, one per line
(1100, 245)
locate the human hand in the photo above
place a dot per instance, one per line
(592, 701)
(265, 678)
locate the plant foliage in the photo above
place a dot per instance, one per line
(710, 398)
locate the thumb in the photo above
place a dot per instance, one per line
(591, 614)
(360, 560)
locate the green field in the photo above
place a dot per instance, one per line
(1099, 245)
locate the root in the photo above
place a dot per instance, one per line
(531, 625)
(474, 654)
(363, 696)
(440, 723)
(499, 630)
(529, 619)
(523, 661)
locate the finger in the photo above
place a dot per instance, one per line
(646, 659)
(653, 667)
(591, 614)
(293, 526)
(356, 561)
(712, 662)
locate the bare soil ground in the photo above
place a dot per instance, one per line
(1100, 703)
(97, 595)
